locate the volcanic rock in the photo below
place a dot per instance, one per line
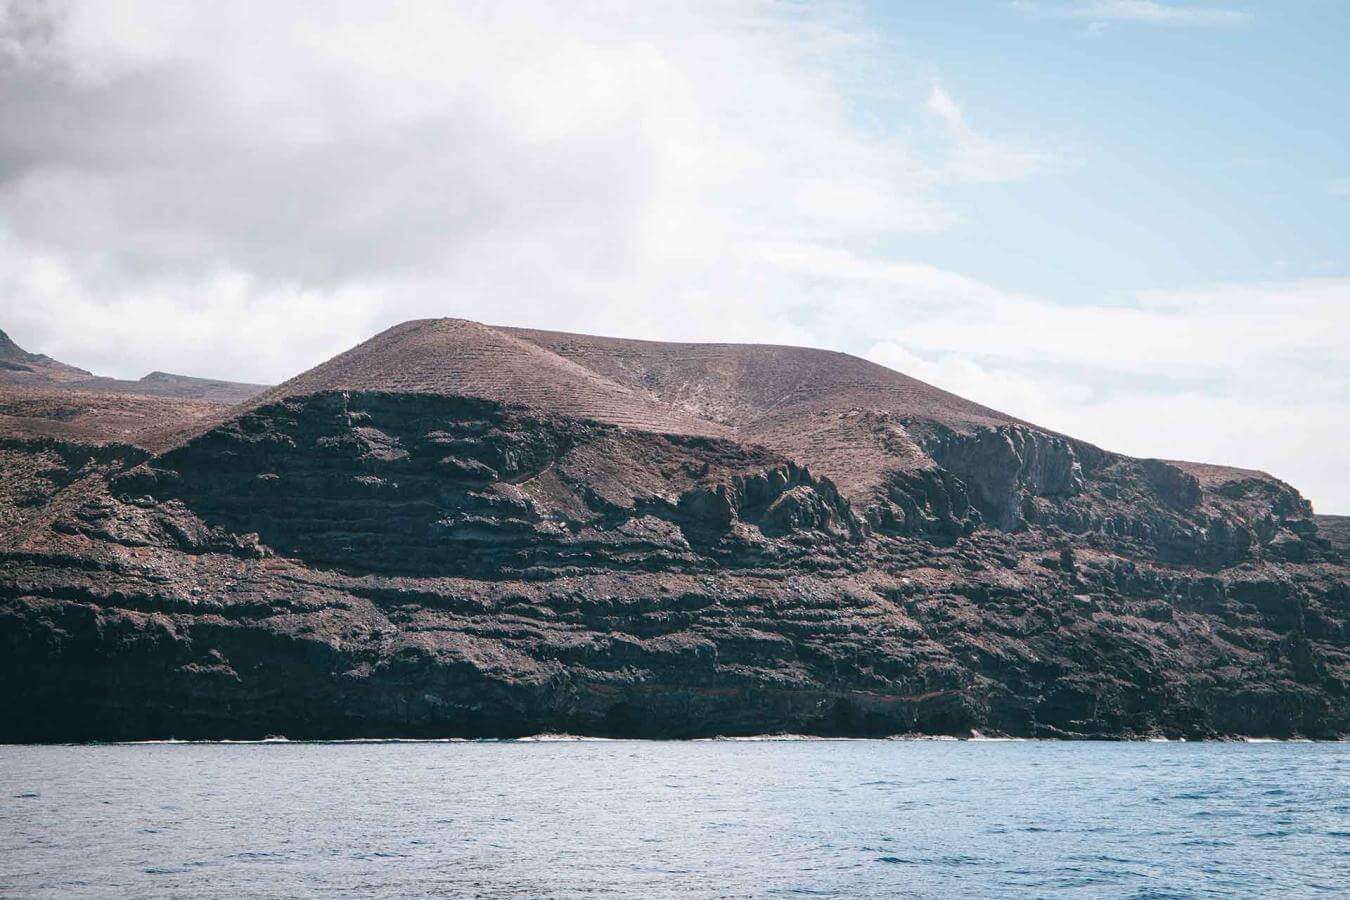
(460, 530)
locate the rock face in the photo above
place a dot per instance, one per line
(457, 530)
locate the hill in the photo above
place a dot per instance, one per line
(20, 369)
(457, 529)
(454, 357)
(19, 366)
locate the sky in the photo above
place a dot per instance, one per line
(1125, 220)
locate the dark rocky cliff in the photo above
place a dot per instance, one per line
(413, 559)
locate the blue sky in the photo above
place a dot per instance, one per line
(1188, 153)
(1121, 219)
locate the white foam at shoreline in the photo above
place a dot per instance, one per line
(563, 738)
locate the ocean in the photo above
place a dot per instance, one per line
(571, 818)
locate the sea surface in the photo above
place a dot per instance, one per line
(702, 819)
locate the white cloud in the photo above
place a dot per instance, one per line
(944, 107)
(1144, 11)
(975, 158)
(226, 325)
(241, 190)
(591, 166)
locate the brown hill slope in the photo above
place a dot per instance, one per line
(18, 366)
(879, 436)
(840, 415)
(89, 417)
(843, 416)
(740, 384)
(455, 357)
(21, 369)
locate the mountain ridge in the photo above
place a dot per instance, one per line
(20, 368)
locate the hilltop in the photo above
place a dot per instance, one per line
(460, 529)
(17, 365)
(455, 357)
(43, 396)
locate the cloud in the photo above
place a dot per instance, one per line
(1340, 187)
(944, 107)
(242, 190)
(975, 158)
(1143, 11)
(590, 165)
(227, 324)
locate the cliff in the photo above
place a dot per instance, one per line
(462, 530)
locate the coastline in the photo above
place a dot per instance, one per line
(552, 738)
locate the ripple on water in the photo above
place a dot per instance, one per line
(708, 819)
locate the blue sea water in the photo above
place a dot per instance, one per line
(703, 819)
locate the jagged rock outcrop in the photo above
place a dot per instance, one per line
(460, 530)
(1006, 466)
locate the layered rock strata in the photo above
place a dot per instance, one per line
(456, 530)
